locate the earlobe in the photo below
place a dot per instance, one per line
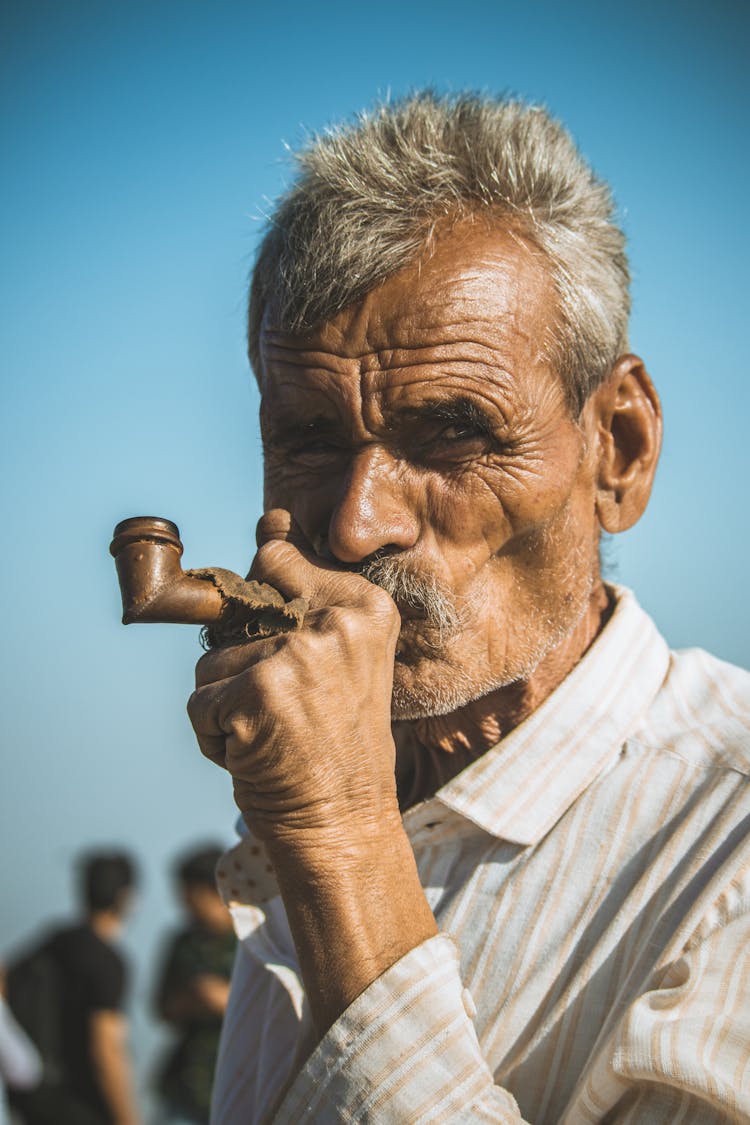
(629, 425)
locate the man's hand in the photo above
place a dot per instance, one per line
(302, 722)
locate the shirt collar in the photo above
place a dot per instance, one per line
(520, 788)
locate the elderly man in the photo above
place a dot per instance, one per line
(495, 869)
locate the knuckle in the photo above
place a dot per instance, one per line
(237, 726)
(195, 707)
(259, 679)
(379, 600)
(343, 622)
(213, 749)
(204, 670)
(380, 605)
(354, 628)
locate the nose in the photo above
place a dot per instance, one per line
(372, 512)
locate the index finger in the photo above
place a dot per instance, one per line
(287, 560)
(223, 663)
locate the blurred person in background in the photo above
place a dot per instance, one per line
(193, 988)
(69, 993)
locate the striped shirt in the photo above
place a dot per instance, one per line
(590, 877)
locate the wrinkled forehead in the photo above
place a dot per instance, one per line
(480, 295)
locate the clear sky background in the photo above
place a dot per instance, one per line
(140, 145)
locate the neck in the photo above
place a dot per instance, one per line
(433, 750)
(215, 924)
(106, 924)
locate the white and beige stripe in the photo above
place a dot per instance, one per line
(591, 881)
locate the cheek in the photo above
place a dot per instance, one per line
(276, 488)
(537, 486)
(465, 512)
(279, 482)
(285, 474)
(305, 494)
(483, 508)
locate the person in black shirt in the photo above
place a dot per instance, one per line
(94, 1086)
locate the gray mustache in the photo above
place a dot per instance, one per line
(429, 598)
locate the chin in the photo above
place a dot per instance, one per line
(430, 681)
(432, 687)
(433, 676)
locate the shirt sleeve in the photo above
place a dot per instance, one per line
(106, 981)
(404, 1051)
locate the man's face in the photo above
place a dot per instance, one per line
(425, 425)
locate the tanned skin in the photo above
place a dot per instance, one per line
(110, 1054)
(425, 422)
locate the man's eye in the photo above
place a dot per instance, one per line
(459, 439)
(316, 449)
(457, 442)
(460, 432)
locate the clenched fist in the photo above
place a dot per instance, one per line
(301, 720)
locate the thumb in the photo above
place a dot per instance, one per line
(287, 560)
(278, 524)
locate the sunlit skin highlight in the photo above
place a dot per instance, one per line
(426, 422)
(422, 429)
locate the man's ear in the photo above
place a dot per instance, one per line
(627, 414)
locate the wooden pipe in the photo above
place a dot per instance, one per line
(154, 587)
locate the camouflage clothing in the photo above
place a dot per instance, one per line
(186, 1077)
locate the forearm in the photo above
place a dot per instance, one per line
(354, 909)
(113, 1070)
(116, 1083)
(405, 1050)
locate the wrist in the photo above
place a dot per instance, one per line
(355, 907)
(325, 839)
(360, 815)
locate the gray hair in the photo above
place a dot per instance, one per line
(370, 195)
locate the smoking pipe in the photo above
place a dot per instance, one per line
(154, 587)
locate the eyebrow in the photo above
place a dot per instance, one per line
(293, 428)
(461, 410)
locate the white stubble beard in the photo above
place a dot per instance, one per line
(446, 618)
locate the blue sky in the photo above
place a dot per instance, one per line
(141, 143)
